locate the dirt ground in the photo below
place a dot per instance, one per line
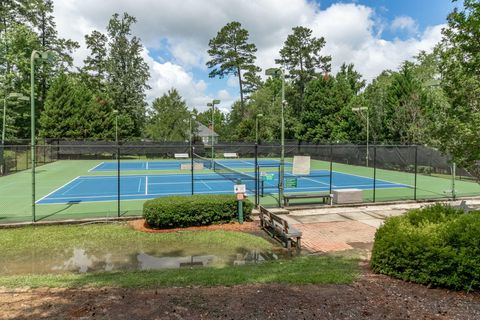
(371, 297)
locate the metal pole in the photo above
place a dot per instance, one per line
(32, 122)
(368, 136)
(256, 129)
(191, 169)
(374, 171)
(190, 135)
(4, 116)
(454, 195)
(118, 180)
(416, 169)
(2, 159)
(257, 198)
(282, 157)
(213, 127)
(116, 128)
(331, 167)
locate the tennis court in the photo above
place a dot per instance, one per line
(140, 187)
(175, 164)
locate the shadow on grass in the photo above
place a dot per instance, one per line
(68, 206)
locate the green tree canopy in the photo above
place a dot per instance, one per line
(168, 120)
(459, 50)
(232, 55)
(301, 56)
(116, 67)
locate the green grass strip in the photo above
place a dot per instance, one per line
(301, 270)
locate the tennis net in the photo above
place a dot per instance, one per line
(227, 172)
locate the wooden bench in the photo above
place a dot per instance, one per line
(230, 155)
(275, 226)
(326, 198)
(181, 155)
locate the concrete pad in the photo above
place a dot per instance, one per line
(355, 215)
(376, 223)
(320, 218)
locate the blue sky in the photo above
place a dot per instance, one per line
(372, 34)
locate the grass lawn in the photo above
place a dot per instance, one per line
(300, 270)
(39, 245)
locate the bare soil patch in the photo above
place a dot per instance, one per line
(371, 297)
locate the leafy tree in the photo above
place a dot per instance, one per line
(95, 65)
(231, 55)
(405, 107)
(116, 66)
(328, 112)
(73, 111)
(168, 120)
(27, 25)
(301, 56)
(457, 129)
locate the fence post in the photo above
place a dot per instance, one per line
(257, 196)
(331, 167)
(192, 148)
(416, 169)
(374, 171)
(118, 180)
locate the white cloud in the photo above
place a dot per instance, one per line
(404, 23)
(165, 76)
(352, 32)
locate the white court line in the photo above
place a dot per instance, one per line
(57, 189)
(96, 166)
(72, 187)
(139, 184)
(146, 185)
(206, 185)
(313, 180)
(146, 165)
(356, 175)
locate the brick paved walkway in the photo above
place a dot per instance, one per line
(334, 236)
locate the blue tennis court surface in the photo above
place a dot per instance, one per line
(140, 187)
(175, 164)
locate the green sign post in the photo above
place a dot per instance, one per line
(291, 182)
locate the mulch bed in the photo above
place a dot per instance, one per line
(371, 297)
(247, 226)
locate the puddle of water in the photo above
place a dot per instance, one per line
(81, 260)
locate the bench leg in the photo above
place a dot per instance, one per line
(299, 244)
(289, 244)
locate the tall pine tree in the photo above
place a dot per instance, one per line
(232, 55)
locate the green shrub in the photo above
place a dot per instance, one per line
(437, 245)
(197, 210)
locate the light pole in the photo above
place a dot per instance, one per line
(41, 56)
(190, 120)
(256, 126)
(358, 109)
(212, 104)
(280, 72)
(115, 112)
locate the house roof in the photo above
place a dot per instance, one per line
(204, 131)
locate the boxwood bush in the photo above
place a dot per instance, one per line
(437, 245)
(196, 210)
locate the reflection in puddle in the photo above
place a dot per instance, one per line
(80, 260)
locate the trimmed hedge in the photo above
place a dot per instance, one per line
(437, 245)
(196, 210)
